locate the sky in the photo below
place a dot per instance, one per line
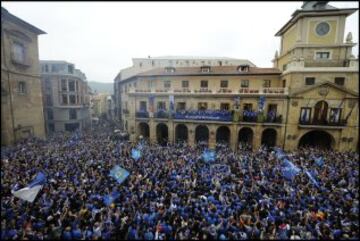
(101, 38)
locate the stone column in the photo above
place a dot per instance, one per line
(233, 136)
(152, 129)
(212, 137)
(191, 135)
(257, 137)
(171, 131)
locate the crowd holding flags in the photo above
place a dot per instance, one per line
(135, 154)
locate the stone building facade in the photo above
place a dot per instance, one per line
(66, 97)
(21, 97)
(310, 97)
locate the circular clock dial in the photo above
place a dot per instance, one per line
(322, 28)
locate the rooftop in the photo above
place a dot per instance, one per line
(214, 70)
(188, 57)
(10, 17)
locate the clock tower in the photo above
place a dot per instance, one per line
(315, 33)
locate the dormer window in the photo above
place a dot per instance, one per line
(243, 68)
(169, 69)
(205, 69)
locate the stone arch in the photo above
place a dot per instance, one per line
(317, 138)
(202, 133)
(268, 137)
(162, 133)
(245, 136)
(181, 133)
(144, 130)
(223, 134)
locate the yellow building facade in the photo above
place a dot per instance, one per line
(21, 97)
(310, 97)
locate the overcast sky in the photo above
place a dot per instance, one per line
(101, 38)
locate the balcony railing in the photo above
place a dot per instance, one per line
(142, 114)
(214, 115)
(162, 114)
(325, 122)
(250, 91)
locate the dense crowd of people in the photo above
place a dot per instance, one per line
(171, 193)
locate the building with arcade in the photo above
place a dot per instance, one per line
(309, 97)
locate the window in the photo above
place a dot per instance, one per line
(18, 52)
(142, 105)
(205, 69)
(244, 83)
(169, 70)
(204, 84)
(22, 87)
(49, 101)
(71, 85)
(167, 84)
(140, 64)
(64, 99)
(224, 106)
(335, 114)
(161, 105)
(340, 81)
(322, 55)
(152, 63)
(72, 114)
(220, 63)
(181, 106)
(48, 85)
(224, 84)
(72, 99)
(185, 84)
(309, 80)
(63, 85)
(77, 99)
(135, 84)
(271, 114)
(202, 106)
(77, 85)
(284, 83)
(248, 107)
(243, 68)
(267, 83)
(305, 114)
(46, 68)
(50, 114)
(284, 67)
(70, 69)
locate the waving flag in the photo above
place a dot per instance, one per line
(135, 154)
(208, 156)
(319, 161)
(312, 179)
(120, 174)
(30, 192)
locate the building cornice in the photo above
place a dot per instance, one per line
(20, 73)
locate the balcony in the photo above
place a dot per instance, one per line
(211, 115)
(264, 91)
(326, 124)
(162, 114)
(222, 91)
(142, 114)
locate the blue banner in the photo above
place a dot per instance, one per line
(319, 161)
(312, 179)
(135, 154)
(40, 179)
(208, 156)
(120, 174)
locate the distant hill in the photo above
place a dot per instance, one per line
(102, 87)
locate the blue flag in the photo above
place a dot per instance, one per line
(108, 200)
(319, 161)
(40, 179)
(312, 179)
(135, 154)
(208, 156)
(30, 192)
(120, 174)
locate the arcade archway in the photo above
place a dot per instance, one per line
(268, 137)
(316, 138)
(144, 130)
(223, 135)
(202, 134)
(181, 133)
(162, 134)
(246, 136)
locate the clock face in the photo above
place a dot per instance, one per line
(322, 28)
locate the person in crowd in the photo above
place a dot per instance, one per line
(171, 193)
